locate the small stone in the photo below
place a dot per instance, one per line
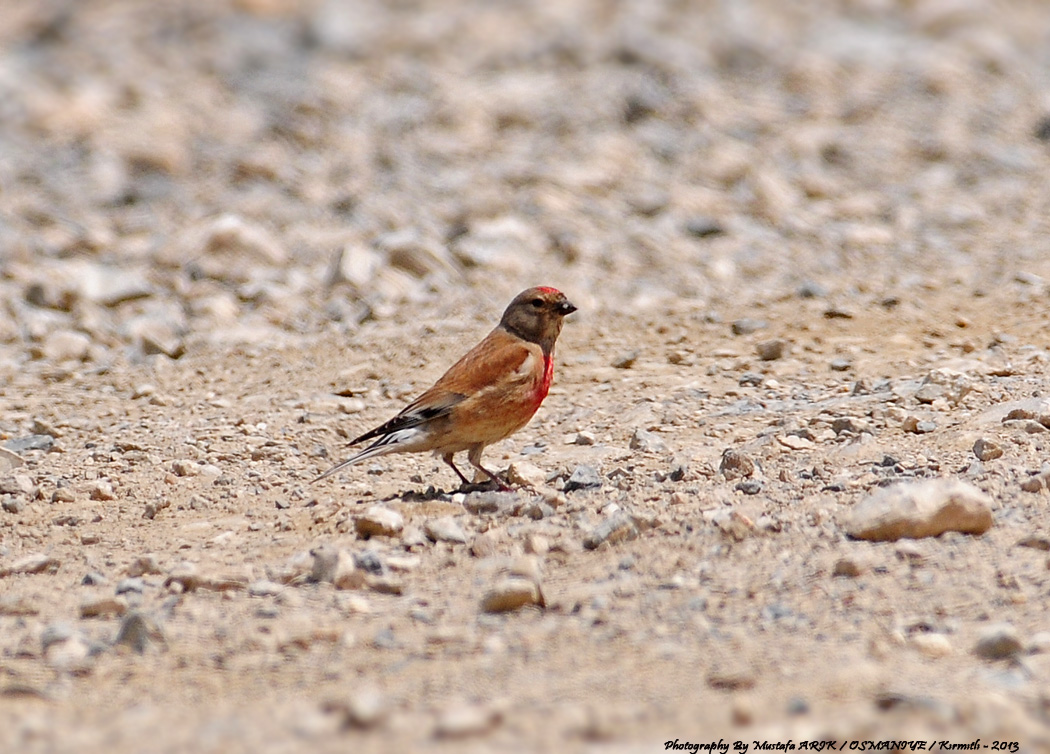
(734, 525)
(143, 391)
(30, 564)
(583, 477)
(525, 473)
(625, 360)
(13, 504)
(37, 441)
(103, 607)
(617, 528)
(1035, 541)
(703, 227)
(749, 486)
(134, 585)
(840, 365)
(144, 565)
(489, 502)
(737, 679)
(336, 566)
(917, 426)
(647, 441)
(136, 632)
(9, 460)
(379, 521)
(795, 442)
(1035, 483)
(771, 350)
(183, 467)
(923, 509)
(584, 438)
(66, 345)
(998, 642)
(512, 593)
(932, 644)
(18, 484)
(750, 379)
(811, 289)
(445, 529)
(748, 326)
(849, 568)
(365, 709)
(465, 721)
(986, 450)
(486, 544)
(537, 544)
(102, 490)
(63, 495)
(735, 464)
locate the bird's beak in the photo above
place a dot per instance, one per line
(566, 308)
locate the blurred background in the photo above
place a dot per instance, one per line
(195, 172)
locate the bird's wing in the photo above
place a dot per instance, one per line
(491, 362)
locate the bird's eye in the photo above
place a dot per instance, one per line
(536, 303)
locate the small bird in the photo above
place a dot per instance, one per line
(486, 396)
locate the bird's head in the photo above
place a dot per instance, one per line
(536, 315)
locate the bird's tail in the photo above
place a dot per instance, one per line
(391, 443)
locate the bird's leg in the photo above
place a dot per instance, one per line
(474, 456)
(447, 458)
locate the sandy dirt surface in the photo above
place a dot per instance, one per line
(810, 247)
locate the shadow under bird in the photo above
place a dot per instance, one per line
(486, 396)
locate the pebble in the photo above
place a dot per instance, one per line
(915, 425)
(932, 644)
(445, 529)
(583, 477)
(647, 441)
(144, 565)
(840, 365)
(747, 326)
(103, 607)
(922, 509)
(512, 593)
(986, 449)
(1035, 541)
(136, 632)
(66, 345)
(13, 504)
(771, 350)
(9, 460)
(38, 441)
(537, 544)
(184, 467)
(63, 495)
(365, 709)
(625, 360)
(617, 528)
(847, 567)
(749, 486)
(379, 521)
(30, 564)
(703, 227)
(336, 566)
(17, 484)
(999, 641)
(735, 464)
(737, 679)
(584, 438)
(102, 490)
(464, 721)
(527, 474)
(733, 524)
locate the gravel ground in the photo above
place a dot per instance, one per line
(791, 482)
